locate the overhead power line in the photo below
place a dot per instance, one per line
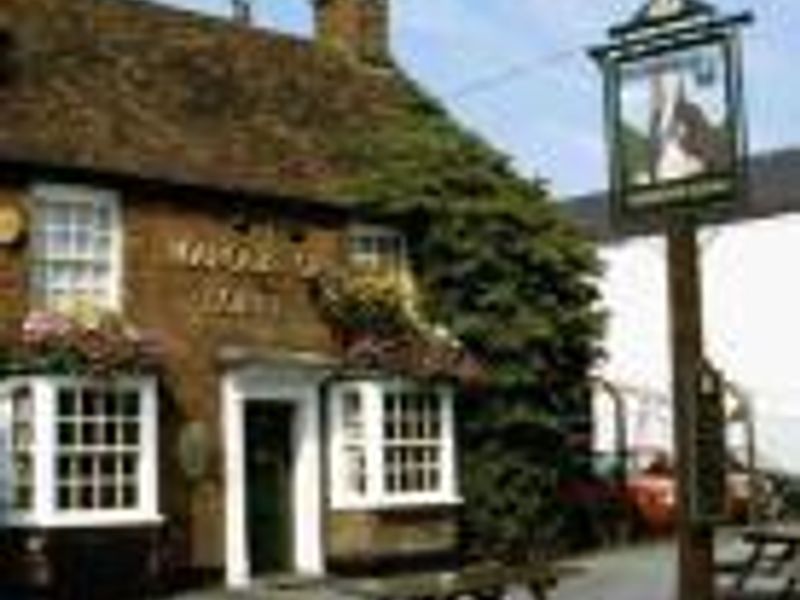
(512, 73)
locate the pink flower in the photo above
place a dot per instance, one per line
(40, 325)
(110, 344)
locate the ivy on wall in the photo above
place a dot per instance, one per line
(516, 284)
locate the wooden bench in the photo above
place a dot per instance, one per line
(773, 562)
(481, 581)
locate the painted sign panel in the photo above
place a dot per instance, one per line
(674, 127)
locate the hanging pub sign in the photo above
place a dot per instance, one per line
(673, 110)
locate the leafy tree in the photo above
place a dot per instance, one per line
(506, 272)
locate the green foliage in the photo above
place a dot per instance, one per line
(515, 283)
(91, 342)
(364, 300)
(636, 153)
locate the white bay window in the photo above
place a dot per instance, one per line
(391, 444)
(78, 451)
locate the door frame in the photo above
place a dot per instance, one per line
(301, 387)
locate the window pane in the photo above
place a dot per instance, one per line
(86, 498)
(23, 497)
(108, 465)
(64, 496)
(111, 435)
(352, 415)
(86, 467)
(130, 434)
(66, 402)
(23, 468)
(22, 435)
(108, 496)
(112, 403)
(73, 237)
(356, 470)
(377, 247)
(22, 404)
(412, 442)
(130, 404)
(98, 436)
(128, 496)
(128, 463)
(91, 402)
(66, 434)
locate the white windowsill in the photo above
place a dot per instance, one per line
(407, 502)
(85, 520)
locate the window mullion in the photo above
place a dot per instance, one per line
(373, 439)
(335, 458)
(44, 449)
(448, 477)
(148, 440)
(115, 276)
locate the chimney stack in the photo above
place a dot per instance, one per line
(242, 11)
(359, 28)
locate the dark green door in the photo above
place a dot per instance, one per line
(268, 452)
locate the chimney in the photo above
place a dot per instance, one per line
(242, 11)
(359, 28)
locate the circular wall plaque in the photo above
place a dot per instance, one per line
(12, 224)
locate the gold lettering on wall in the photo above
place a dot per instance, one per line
(236, 277)
(235, 301)
(215, 255)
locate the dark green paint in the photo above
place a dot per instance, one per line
(268, 456)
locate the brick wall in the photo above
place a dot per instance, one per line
(205, 275)
(358, 537)
(205, 284)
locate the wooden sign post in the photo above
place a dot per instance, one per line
(695, 536)
(675, 132)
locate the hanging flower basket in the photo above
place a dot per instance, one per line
(93, 342)
(365, 299)
(422, 356)
(376, 317)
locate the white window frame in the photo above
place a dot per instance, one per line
(357, 233)
(372, 393)
(45, 512)
(53, 193)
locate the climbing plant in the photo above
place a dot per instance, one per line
(515, 282)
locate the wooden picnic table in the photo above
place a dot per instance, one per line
(485, 581)
(774, 552)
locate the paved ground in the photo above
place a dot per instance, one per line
(638, 573)
(642, 572)
(648, 572)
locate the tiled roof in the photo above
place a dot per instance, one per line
(773, 188)
(131, 88)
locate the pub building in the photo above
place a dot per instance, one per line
(212, 360)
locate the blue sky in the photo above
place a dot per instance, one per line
(516, 71)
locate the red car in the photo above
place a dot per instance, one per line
(653, 498)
